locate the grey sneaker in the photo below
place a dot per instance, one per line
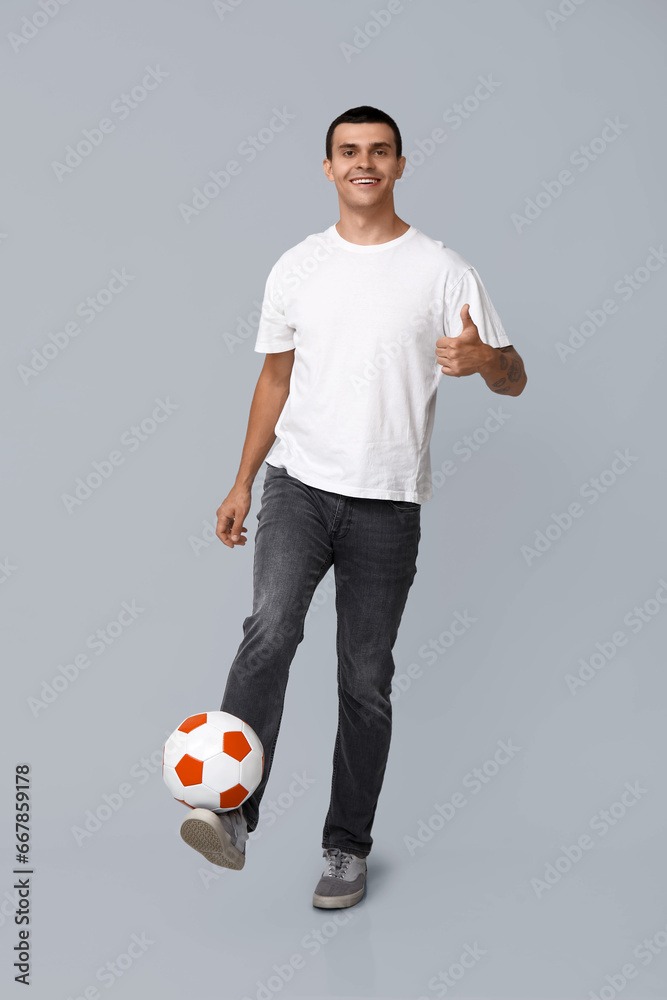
(220, 837)
(343, 880)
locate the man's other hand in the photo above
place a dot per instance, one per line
(232, 512)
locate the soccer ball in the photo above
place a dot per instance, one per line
(213, 761)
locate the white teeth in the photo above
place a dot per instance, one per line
(371, 181)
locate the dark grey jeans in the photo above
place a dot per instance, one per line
(373, 546)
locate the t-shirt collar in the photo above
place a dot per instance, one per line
(338, 240)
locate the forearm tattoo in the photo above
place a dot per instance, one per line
(514, 366)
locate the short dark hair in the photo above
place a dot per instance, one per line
(356, 116)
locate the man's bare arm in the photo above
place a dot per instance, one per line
(269, 398)
(267, 404)
(504, 372)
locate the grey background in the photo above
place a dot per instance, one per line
(215, 933)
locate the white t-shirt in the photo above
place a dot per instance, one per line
(363, 321)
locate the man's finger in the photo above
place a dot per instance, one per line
(225, 527)
(466, 318)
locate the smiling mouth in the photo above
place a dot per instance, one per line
(365, 181)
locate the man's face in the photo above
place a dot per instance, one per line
(364, 150)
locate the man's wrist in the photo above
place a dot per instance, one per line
(244, 480)
(487, 367)
(243, 484)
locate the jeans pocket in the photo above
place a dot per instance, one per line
(405, 505)
(275, 470)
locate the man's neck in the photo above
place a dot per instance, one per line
(369, 231)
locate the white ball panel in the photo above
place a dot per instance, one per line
(221, 772)
(251, 770)
(204, 742)
(173, 782)
(202, 797)
(174, 748)
(252, 738)
(223, 721)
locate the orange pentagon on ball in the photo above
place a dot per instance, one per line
(192, 722)
(233, 797)
(189, 770)
(236, 745)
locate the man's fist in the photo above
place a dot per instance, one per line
(465, 354)
(231, 514)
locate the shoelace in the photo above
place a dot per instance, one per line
(338, 862)
(240, 828)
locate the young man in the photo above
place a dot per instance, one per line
(358, 324)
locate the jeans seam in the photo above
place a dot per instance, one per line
(269, 761)
(337, 741)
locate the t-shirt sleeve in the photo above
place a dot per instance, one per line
(471, 290)
(273, 334)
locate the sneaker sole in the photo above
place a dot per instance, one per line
(337, 902)
(212, 841)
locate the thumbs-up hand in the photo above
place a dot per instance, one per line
(465, 354)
